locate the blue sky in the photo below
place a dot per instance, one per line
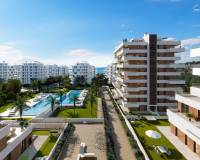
(67, 31)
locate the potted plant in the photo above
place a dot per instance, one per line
(189, 115)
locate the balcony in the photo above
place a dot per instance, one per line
(169, 73)
(167, 58)
(134, 104)
(126, 50)
(173, 65)
(134, 58)
(166, 97)
(171, 81)
(124, 65)
(189, 100)
(126, 73)
(168, 42)
(174, 50)
(189, 126)
(177, 89)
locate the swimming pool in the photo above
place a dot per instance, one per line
(45, 104)
(68, 99)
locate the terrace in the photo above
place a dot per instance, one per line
(140, 126)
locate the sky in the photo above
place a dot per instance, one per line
(68, 31)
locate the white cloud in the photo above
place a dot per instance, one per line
(191, 41)
(196, 8)
(9, 53)
(13, 55)
(82, 53)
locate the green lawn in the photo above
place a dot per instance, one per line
(48, 144)
(5, 107)
(141, 126)
(41, 132)
(46, 147)
(79, 112)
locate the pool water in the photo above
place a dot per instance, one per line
(45, 104)
(68, 99)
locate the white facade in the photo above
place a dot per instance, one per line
(14, 72)
(83, 69)
(109, 72)
(31, 71)
(3, 71)
(51, 70)
(63, 71)
(28, 71)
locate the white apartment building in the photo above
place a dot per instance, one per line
(185, 120)
(32, 70)
(83, 69)
(146, 74)
(51, 70)
(3, 71)
(109, 72)
(14, 72)
(63, 71)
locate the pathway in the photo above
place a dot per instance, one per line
(99, 108)
(31, 151)
(124, 150)
(183, 149)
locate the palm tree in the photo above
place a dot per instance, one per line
(61, 93)
(74, 98)
(52, 101)
(92, 99)
(20, 105)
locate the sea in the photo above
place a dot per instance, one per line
(100, 70)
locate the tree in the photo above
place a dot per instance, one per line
(67, 82)
(53, 102)
(74, 98)
(99, 81)
(80, 81)
(61, 93)
(59, 79)
(92, 99)
(14, 86)
(20, 105)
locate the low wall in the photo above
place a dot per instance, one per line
(67, 120)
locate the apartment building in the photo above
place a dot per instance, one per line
(14, 72)
(185, 120)
(32, 70)
(3, 71)
(83, 69)
(63, 71)
(146, 77)
(109, 73)
(13, 141)
(51, 70)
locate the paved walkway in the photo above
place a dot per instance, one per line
(99, 108)
(31, 151)
(124, 150)
(183, 149)
(94, 137)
